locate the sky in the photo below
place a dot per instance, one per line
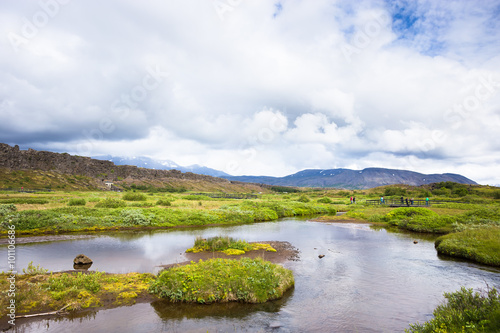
(257, 87)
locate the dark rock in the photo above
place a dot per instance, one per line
(321, 256)
(82, 259)
(82, 267)
(415, 241)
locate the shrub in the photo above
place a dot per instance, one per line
(303, 198)
(111, 203)
(224, 280)
(325, 200)
(130, 196)
(34, 270)
(465, 311)
(135, 217)
(7, 209)
(77, 202)
(163, 202)
(394, 191)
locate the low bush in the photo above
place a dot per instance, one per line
(325, 200)
(417, 219)
(7, 209)
(131, 196)
(135, 217)
(303, 198)
(465, 311)
(163, 202)
(111, 203)
(479, 245)
(224, 280)
(77, 202)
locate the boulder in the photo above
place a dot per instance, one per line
(82, 259)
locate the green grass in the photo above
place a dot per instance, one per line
(111, 203)
(224, 280)
(465, 311)
(38, 291)
(21, 201)
(131, 196)
(225, 243)
(111, 213)
(77, 202)
(480, 245)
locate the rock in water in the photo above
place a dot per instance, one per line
(82, 259)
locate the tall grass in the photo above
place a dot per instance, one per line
(224, 280)
(226, 244)
(480, 245)
(465, 311)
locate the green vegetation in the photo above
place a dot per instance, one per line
(111, 203)
(480, 245)
(39, 291)
(163, 202)
(325, 200)
(22, 201)
(8, 209)
(224, 280)
(465, 311)
(303, 198)
(59, 211)
(131, 196)
(112, 213)
(228, 245)
(77, 202)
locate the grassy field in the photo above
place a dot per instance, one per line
(80, 211)
(94, 211)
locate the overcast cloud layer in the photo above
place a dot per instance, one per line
(257, 87)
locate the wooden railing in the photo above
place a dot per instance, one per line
(411, 203)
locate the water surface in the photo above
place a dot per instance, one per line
(369, 280)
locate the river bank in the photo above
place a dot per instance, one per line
(49, 295)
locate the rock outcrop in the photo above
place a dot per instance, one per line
(15, 159)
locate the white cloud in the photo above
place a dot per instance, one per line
(319, 84)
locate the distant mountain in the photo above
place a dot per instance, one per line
(353, 179)
(149, 163)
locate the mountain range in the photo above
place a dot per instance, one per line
(354, 179)
(149, 163)
(338, 178)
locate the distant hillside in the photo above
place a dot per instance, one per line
(12, 160)
(146, 162)
(354, 179)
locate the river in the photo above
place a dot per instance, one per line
(369, 280)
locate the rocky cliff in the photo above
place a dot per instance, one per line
(15, 159)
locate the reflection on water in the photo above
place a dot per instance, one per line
(369, 280)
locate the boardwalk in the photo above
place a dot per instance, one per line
(416, 203)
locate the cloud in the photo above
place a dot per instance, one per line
(256, 87)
